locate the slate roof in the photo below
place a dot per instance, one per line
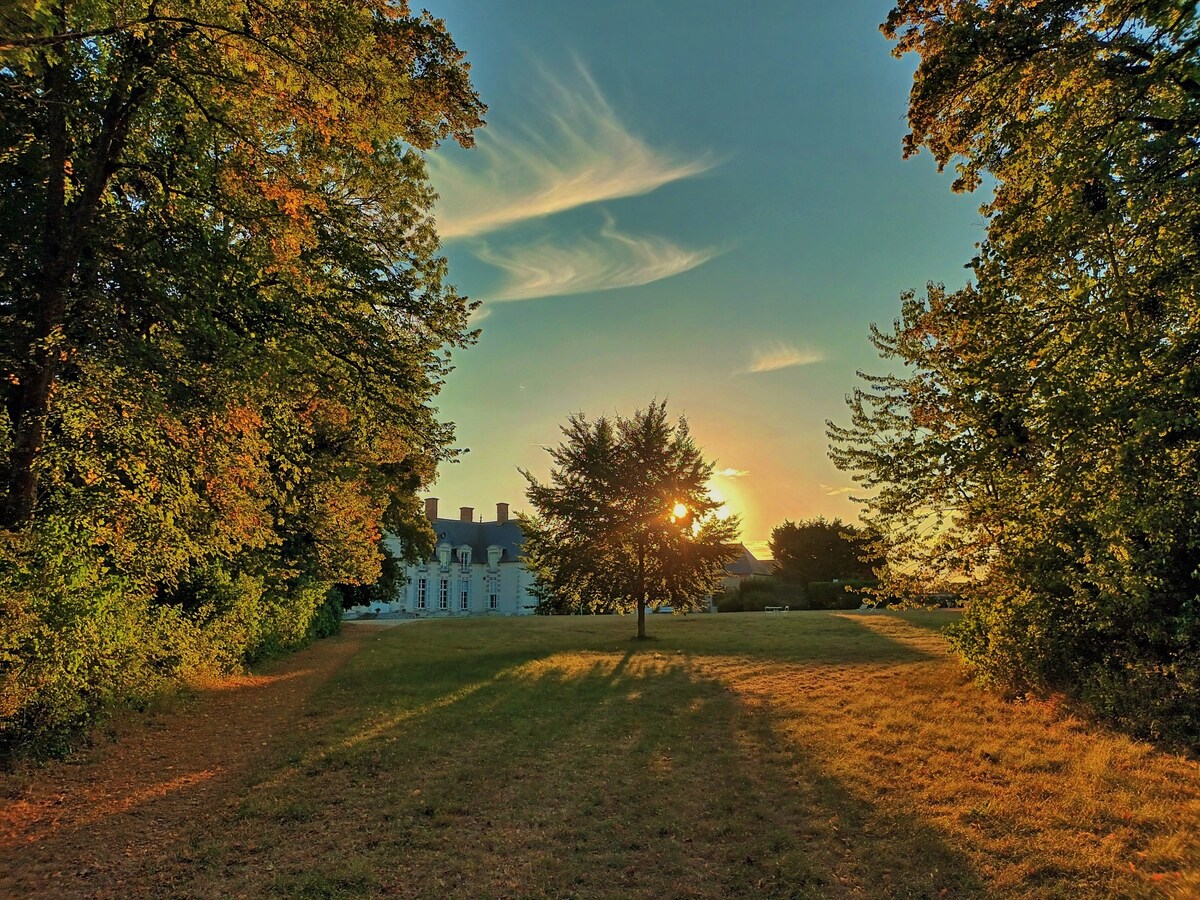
(479, 536)
(747, 564)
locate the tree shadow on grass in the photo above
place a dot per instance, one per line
(843, 639)
(580, 773)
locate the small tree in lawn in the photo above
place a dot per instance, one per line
(626, 521)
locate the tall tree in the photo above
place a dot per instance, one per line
(217, 169)
(223, 321)
(626, 521)
(820, 550)
(1045, 436)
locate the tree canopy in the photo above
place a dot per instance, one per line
(820, 550)
(1043, 437)
(626, 521)
(223, 312)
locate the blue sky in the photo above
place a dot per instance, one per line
(683, 201)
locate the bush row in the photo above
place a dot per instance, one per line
(756, 594)
(78, 641)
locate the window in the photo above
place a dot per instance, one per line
(464, 596)
(443, 593)
(464, 560)
(421, 588)
(493, 592)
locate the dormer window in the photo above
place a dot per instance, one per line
(464, 559)
(443, 555)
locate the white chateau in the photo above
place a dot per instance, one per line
(475, 569)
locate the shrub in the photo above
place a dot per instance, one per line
(1141, 670)
(756, 594)
(838, 594)
(78, 639)
(730, 601)
(328, 620)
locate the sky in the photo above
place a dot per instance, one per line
(685, 201)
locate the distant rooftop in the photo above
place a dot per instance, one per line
(748, 564)
(479, 536)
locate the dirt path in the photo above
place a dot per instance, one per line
(87, 826)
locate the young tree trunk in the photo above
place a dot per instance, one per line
(641, 589)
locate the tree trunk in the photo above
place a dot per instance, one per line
(39, 369)
(68, 227)
(641, 589)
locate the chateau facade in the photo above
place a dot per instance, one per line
(475, 569)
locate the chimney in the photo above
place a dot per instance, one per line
(501, 513)
(431, 509)
(466, 513)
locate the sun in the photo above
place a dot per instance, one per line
(679, 511)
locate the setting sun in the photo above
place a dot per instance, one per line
(679, 511)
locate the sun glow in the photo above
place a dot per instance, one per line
(679, 511)
(722, 511)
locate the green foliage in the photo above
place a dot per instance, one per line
(384, 590)
(605, 538)
(759, 593)
(328, 619)
(729, 600)
(223, 321)
(1044, 435)
(819, 550)
(838, 594)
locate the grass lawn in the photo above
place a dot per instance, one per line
(794, 755)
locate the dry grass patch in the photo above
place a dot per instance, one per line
(793, 755)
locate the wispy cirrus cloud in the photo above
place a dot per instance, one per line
(779, 355)
(836, 492)
(612, 259)
(576, 152)
(730, 473)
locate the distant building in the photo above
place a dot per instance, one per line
(475, 569)
(744, 567)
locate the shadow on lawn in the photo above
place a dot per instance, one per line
(590, 771)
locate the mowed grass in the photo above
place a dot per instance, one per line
(792, 755)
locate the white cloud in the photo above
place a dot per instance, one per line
(577, 152)
(730, 473)
(778, 355)
(610, 260)
(836, 492)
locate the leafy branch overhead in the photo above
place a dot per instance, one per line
(1040, 435)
